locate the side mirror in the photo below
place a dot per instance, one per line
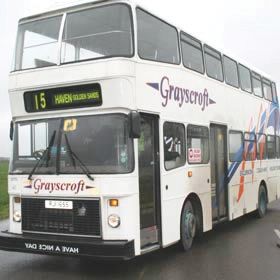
(134, 124)
(12, 130)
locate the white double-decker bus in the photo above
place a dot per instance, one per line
(130, 135)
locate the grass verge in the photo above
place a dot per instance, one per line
(4, 198)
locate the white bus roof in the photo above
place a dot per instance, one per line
(83, 3)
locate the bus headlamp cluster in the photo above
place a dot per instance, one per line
(17, 216)
(17, 209)
(114, 221)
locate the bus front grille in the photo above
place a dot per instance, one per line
(83, 219)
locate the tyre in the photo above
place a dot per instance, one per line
(262, 202)
(188, 225)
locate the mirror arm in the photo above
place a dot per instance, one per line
(11, 130)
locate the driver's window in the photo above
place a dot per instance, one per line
(41, 136)
(32, 138)
(24, 144)
(174, 145)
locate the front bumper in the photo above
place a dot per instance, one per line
(67, 246)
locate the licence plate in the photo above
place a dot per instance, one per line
(59, 204)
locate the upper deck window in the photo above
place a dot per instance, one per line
(257, 84)
(98, 32)
(214, 67)
(231, 72)
(88, 34)
(37, 43)
(192, 53)
(267, 89)
(157, 40)
(245, 78)
(274, 93)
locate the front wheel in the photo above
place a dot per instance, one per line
(188, 225)
(262, 202)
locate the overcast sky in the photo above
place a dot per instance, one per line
(248, 30)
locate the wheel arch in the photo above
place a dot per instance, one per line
(263, 183)
(194, 198)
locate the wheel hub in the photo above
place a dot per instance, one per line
(190, 227)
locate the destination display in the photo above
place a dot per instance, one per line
(63, 98)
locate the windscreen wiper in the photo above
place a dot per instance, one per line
(45, 154)
(74, 156)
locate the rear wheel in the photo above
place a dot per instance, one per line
(188, 225)
(262, 202)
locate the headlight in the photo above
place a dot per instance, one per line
(17, 216)
(114, 221)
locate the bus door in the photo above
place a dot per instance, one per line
(219, 184)
(149, 182)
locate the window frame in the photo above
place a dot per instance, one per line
(61, 30)
(205, 46)
(254, 75)
(187, 148)
(19, 52)
(165, 22)
(250, 141)
(202, 52)
(267, 82)
(225, 78)
(275, 146)
(251, 82)
(103, 57)
(274, 92)
(183, 142)
(236, 132)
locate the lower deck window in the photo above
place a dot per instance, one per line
(249, 146)
(235, 146)
(261, 146)
(198, 144)
(271, 147)
(174, 145)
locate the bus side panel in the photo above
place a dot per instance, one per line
(175, 188)
(272, 180)
(251, 187)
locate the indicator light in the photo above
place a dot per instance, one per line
(17, 199)
(114, 202)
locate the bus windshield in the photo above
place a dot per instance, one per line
(88, 34)
(101, 143)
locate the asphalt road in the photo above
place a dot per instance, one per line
(243, 249)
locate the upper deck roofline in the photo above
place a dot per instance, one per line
(81, 4)
(61, 8)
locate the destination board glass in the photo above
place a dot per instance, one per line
(63, 98)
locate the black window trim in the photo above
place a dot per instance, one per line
(275, 146)
(158, 18)
(236, 63)
(278, 151)
(201, 49)
(251, 141)
(274, 86)
(187, 153)
(268, 83)
(261, 133)
(235, 131)
(258, 77)
(220, 54)
(184, 143)
(242, 65)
